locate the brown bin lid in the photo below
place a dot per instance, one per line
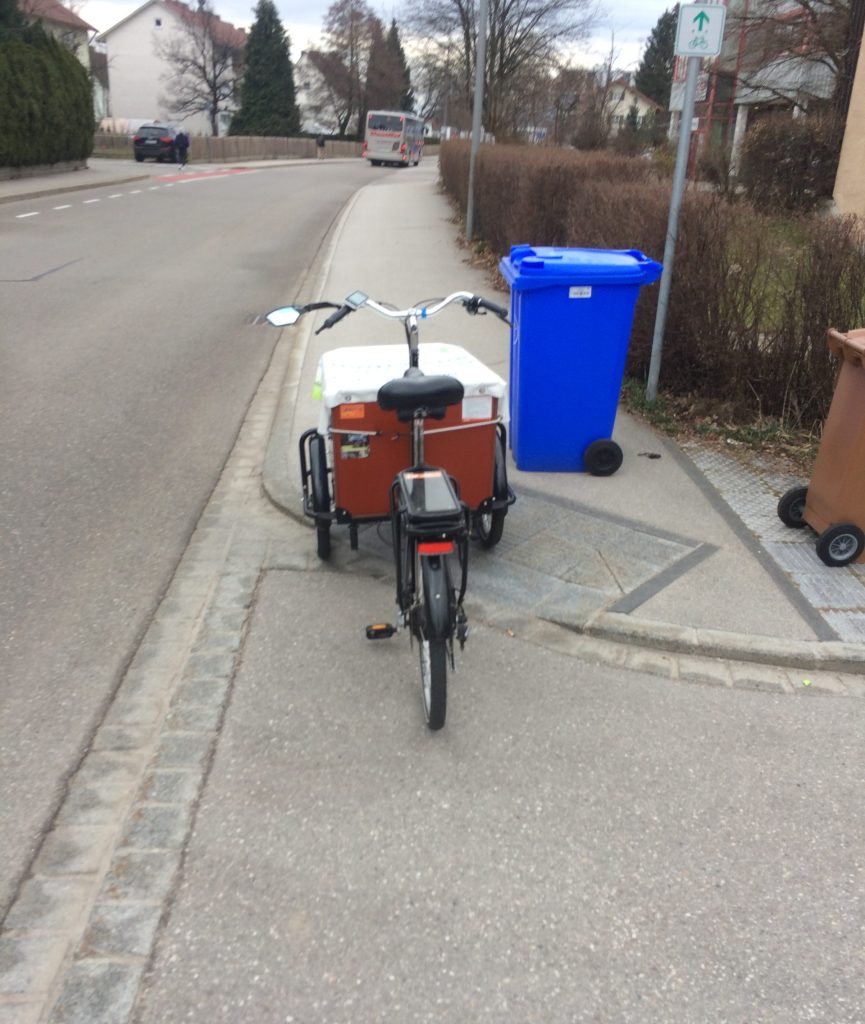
(850, 346)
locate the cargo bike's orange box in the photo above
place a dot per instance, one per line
(370, 446)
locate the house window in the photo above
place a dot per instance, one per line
(159, 22)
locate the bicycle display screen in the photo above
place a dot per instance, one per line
(356, 300)
(428, 491)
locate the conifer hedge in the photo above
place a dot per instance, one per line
(46, 104)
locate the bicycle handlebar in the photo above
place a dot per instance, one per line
(478, 302)
(334, 318)
(473, 304)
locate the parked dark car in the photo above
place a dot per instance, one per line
(155, 141)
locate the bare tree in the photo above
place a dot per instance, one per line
(523, 35)
(204, 55)
(436, 71)
(331, 90)
(343, 63)
(575, 106)
(793, 50)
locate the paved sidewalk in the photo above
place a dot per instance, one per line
(666, 550)
(260, 832)
(683, 552)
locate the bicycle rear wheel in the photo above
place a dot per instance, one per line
(435, 621)
(434, 681)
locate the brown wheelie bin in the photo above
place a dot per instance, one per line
(833, 503)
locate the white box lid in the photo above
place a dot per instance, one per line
(355, 374)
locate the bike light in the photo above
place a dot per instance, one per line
(436, 547)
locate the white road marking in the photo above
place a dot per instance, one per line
(133, 192)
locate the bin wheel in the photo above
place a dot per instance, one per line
(791, 507)
(840, 545)
(602, 458)
(320, 494)
(489, 526)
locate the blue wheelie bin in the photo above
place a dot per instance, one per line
(571, 314)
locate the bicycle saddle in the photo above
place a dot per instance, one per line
(419, 395)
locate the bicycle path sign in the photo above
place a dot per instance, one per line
(700, 30)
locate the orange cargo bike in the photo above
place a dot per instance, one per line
(420, 442)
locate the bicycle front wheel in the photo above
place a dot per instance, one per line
(434, 681)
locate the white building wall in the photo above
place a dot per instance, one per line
(137, 76)
(619, 106)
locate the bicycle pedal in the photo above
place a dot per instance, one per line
(462, 628)
(380, 631)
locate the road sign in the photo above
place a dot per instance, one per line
(700, 30)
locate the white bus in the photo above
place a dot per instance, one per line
(393, 137)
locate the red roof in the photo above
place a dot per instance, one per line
(647, 100)
(222, 31)
(54, 12)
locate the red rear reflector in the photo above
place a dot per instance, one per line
(436, 547)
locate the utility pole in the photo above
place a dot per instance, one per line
(480, 70)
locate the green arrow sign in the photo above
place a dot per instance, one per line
(700, 30)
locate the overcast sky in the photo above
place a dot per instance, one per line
(627, 22)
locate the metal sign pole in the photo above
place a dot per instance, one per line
(476, 114)
(699, 33)
(673, 225)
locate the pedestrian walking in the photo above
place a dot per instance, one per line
(319, 144)
(181, 144)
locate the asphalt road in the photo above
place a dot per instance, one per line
(127, 360)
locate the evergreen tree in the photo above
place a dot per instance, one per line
(267, 95)
(11, 19)
(406, 100)
(382, 82)
(654, 76)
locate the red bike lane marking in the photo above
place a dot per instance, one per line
(191, 175)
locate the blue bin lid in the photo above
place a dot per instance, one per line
(542, 266)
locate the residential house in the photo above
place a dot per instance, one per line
(313, 101)
(769, 66)
(75, 34)
(621, 99)
(99, 80)
(140, 72)
(66, 26)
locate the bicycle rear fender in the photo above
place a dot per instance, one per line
(437, 596)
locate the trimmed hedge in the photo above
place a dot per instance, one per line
(46, 103)
(752, 294)
(790, 163)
